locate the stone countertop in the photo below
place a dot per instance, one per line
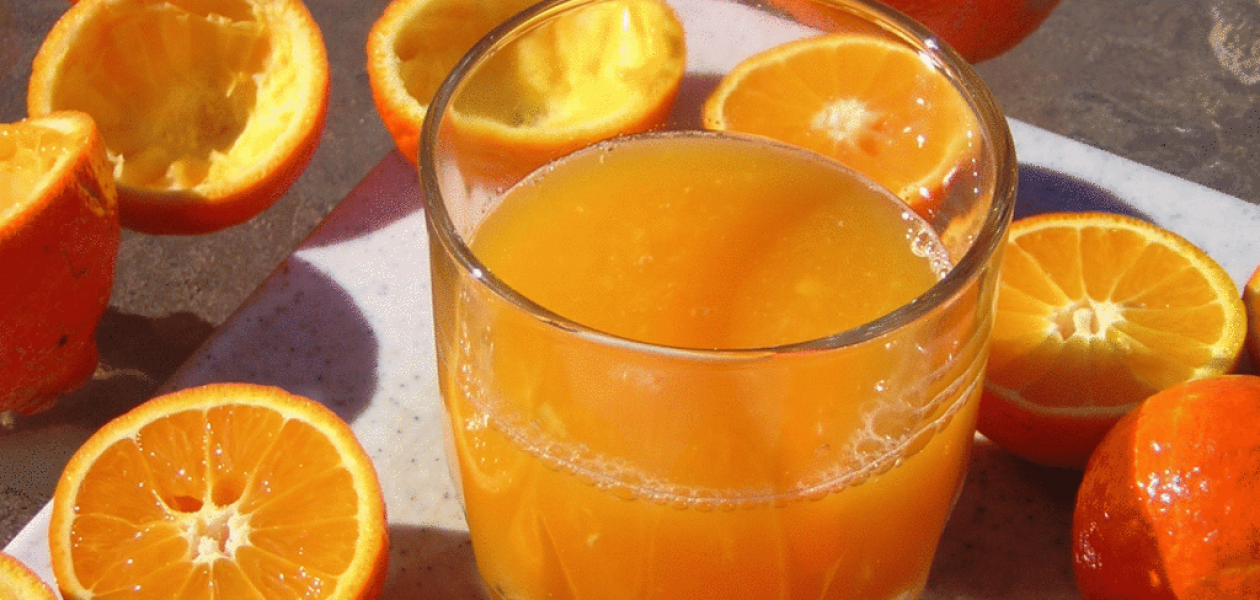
(1167, 84)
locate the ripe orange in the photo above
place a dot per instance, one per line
(1096, 312)
(601, 70)
(410, 49)
(17, 582)
(221, 491)
(977, 29)
(58, 244)
(209, 110)
(1251, 300)
(1167, 508)
(869, 102)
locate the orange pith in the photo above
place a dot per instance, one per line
(1096, 312)
(869, 102)
(410, 49)
(222, 491)
(58, 242)
(210, 109)
(17, 582)
(1166, 509)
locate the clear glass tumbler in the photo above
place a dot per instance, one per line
(690, 347)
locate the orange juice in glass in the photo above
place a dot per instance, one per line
(684, 364)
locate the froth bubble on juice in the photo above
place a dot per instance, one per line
(713, 463)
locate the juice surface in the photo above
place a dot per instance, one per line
(596, 470)
(708, 242)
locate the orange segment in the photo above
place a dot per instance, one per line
(222, 491)
(210, 109)
(1096, 312)
(58, 243)
(17, 582)
(410, 49)
(871, 103)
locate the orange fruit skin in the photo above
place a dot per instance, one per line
(1025, 433)
(1251, 301)
(58, 260)
(17, 582)
(977, 29)
(251, 189)
(1167, 507)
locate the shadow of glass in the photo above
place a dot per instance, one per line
(389, 193)
(300, 331)
(1044, 190)
(432, 563)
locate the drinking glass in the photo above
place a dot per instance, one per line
(595, 462)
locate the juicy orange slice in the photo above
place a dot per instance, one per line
(221, 491)
(58, 243)
(869, 102)
(1096, 312)
(210, 109)
(410, 49)
(17, 582)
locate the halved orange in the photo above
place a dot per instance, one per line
(58, 244)
(1095, 313)
(869, 102)
(604, 69)
(221, 491)
(210, 109)
(18, 582)
(411, 48)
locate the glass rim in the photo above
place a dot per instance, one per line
(987, 241)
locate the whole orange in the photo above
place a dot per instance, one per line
(977, 29)
(1167, 507)
(59, 237)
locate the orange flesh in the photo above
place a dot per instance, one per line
(28, 154)
(216, 496)
(1111, 306)
(873, 104)
(756, 483)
